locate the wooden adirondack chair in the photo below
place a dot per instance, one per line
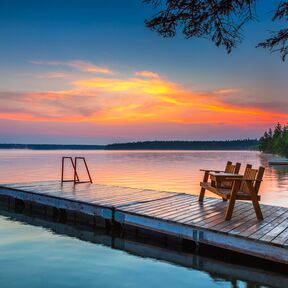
(230, 168)
(245, 187)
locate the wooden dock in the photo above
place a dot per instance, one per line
(175, 214)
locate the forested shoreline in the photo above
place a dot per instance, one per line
(275, 141)
(51, 146)
(246, 144)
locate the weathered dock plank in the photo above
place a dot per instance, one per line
(170, 213)
(58, 201)
(282, 237)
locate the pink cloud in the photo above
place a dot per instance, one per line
(53, 75)
(80, 65)
(227, 91)
(147, 74)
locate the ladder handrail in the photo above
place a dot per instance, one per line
(86, 166)
(76, 178)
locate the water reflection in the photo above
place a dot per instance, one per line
(162, 170)
(206, 271)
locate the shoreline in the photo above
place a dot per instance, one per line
(230, 145)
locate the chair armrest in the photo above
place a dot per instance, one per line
(209, 170)
(240, 179)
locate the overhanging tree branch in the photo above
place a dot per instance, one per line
(221, 21)
(278, 42)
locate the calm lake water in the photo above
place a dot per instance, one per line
(37, 252)
(163, 170)
(41, 253)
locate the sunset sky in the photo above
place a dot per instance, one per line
(89, 72)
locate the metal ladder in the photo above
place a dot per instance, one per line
(76, 178)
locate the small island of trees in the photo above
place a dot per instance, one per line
(275, 141)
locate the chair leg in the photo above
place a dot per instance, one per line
(257, 209)
(202, 191)
(230, 209)
(232, 200)
(255, 201)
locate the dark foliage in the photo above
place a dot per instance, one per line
(153, 145)
(186, 145)
(218, 20)
(279, 39)
(276, 141)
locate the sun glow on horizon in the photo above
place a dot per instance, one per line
(144, 97)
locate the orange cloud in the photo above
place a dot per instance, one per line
(88, 67)
(106, 100)
(132, 85)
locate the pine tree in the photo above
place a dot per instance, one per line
(276, 141)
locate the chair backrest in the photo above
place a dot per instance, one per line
(259, 178)
(255, 175)
(230, 168)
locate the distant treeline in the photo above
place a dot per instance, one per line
(275, 141)
(246, 144)
(51, 147)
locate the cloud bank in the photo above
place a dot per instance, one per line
(144, 98)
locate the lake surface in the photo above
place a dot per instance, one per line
(163, 170)
(38, 252)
